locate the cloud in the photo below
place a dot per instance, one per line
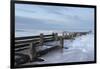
(53, 17)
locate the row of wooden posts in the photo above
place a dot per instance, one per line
(55, 37)
(43, 37)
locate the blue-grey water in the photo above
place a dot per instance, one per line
(35, 19)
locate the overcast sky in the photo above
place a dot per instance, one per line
(41, 17)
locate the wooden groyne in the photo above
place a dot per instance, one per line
(33, 41)
(31, 47)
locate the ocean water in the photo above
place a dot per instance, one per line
(79, 50)
(35, 19)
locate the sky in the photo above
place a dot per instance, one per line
(43, 18)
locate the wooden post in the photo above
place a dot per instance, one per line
(53, 36)
(56, 36)
(63, 34)
(67, 35)
(33, 53)
(62, 42)
(41, 39)
(72, 35)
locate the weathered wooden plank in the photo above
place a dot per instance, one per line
(21, 45)
(20, 49)
(30, 37)
(26, 41)
(27, 37)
